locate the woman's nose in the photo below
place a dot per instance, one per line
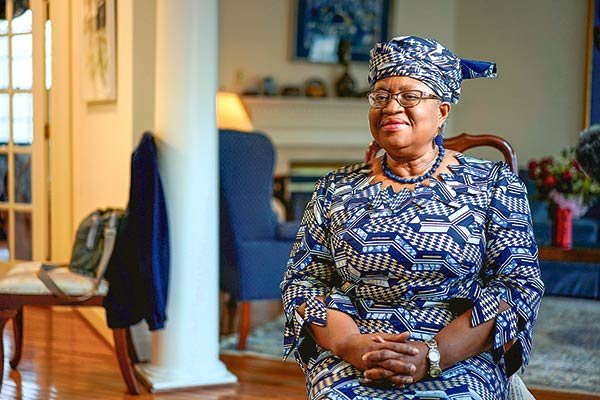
(393, 106)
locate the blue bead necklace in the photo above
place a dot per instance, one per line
(427, 175)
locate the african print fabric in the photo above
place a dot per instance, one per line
(413, 261)
(428, 61)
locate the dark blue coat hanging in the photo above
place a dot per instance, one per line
(138, 271)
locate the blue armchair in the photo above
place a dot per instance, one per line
(255, 247)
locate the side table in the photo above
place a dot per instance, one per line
(576, 254)
(574, 272)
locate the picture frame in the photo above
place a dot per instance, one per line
(322, 24)
(592, 100)
(98, 51)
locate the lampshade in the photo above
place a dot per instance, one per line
(231, 113)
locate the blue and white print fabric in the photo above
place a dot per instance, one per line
(428, 61)
(413, 261)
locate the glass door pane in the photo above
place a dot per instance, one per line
(4, 119)
(22, 178)
(21, 35)
(22, 17)
(4, 236)
(22, 118)
(22, 61)
(23, 234)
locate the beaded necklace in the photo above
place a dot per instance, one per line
(391, 175)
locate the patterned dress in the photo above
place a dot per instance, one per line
(413, 261)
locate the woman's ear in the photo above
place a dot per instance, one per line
(444, 112)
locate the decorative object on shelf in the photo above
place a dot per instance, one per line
(344, 86)
(566, 188)
(251, 91)
(289, 91)
(231, 113)
(269, 87)
(98, 49)
(315, 88)
(322, 23)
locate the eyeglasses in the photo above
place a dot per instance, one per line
(407, 99)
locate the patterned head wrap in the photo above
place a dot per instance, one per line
(428, 61)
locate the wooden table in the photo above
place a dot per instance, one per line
(576, 254)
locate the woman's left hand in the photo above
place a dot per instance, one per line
(387, 364)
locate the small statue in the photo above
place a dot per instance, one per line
(344, 86)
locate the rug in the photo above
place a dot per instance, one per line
(566, 345)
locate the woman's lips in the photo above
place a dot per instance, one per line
(393, 124)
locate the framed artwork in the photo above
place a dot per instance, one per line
(98, 51)
(593, 74)
(322, 24)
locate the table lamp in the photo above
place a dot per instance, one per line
(231, 113)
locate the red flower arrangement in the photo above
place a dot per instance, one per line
(563, 183)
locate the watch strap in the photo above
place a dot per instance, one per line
(433, 357)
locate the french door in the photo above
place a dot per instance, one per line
(24, 66)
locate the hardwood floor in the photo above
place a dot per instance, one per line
(64, 359)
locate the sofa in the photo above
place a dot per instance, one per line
(562, 278)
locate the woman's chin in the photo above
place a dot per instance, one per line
(394, 140)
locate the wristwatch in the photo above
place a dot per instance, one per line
(433, 355)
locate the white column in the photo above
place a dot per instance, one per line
(186, 352)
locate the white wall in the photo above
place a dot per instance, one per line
(539, 45)
(104, 135)
(537, 101)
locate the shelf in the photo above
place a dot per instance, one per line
(305, 121)
(303, 100)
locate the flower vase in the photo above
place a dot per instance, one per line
(562, 228)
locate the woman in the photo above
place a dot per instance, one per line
(415, 275)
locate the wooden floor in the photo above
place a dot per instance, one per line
(64, 359)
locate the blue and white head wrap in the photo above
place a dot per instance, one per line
(428, 61)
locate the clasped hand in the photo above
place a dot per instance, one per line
(386, 358)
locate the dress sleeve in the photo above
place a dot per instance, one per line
(511, 272)
(310, 270)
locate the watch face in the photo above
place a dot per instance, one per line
(434, 356)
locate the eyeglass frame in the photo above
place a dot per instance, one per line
(395, 96)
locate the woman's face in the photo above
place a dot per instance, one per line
(406, 132)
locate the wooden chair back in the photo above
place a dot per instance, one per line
(466, 141)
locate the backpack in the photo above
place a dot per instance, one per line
(92, 250)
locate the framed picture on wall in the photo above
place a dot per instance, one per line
(98, 51)
(592, 104)
(322, 24)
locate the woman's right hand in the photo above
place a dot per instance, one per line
(353, 347)
(342, 336)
